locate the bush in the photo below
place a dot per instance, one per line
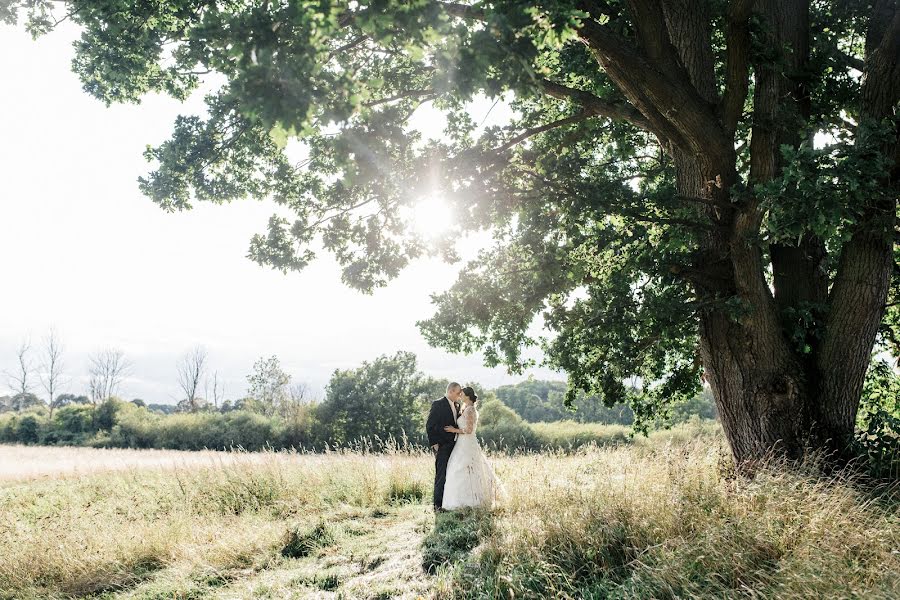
(500, 427)
(105, 417)
(119, 424)
(190, 431)
(301, 429)
(878, 421)
(249, 430)
(8, 428)
(74, 418)
(28, 429)
(136, 427)
(570, 434)
(539, 401)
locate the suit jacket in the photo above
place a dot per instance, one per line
(441, 415)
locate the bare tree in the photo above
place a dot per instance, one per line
(108, 367)
(21, 380)
(300, 393)
(52, 367)
(191, 369)
(218, 389)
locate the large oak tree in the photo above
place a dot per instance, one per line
(660, 196)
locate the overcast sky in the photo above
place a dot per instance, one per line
(84, 252)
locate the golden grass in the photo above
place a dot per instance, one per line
(671, 521)
(660, 519)
(19, 462)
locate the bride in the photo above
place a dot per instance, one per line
(470, 479)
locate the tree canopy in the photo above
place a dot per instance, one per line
(388, 396)
(687, 189)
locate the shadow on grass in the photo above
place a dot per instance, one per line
(454, 536)
(302, 541)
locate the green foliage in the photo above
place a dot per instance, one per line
(379, 406)
(28, 429)
(106, 412)
(68, 399)
(827, 191)
(165, 409)
(570, 435)
(402, 490)
(590, 230)
(539, 401)
(701, 405)
(20, 402)
(72, 423)
(125, 425)
(268, 387)
(386, 397)
(500, 427)
(878, 421)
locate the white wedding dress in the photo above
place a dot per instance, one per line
(470, 479)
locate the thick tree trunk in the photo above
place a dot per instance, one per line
(759, 390)
(772, 394)
(857, 299)
(857, 307)
(759, 386)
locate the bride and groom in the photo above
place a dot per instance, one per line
(462, 475)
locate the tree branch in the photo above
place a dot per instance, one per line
(400, 96)
(621, 211)
(589, 101)
(576, 118)
(463, 11)
(667, 99)
(348, 46)
(850, 61)
(737, 78)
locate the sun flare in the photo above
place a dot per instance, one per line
(431, 216)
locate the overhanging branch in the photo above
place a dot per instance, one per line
(577, 118)
(590, 102)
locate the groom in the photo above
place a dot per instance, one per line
(443, 412)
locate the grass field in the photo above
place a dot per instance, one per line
(664, 518)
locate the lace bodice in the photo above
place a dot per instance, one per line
(468, 420)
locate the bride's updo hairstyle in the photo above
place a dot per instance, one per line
(470, 393)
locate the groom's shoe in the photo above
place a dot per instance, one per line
(439, 509)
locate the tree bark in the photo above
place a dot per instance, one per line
(757, 382)
(772, 394)
(858, 298)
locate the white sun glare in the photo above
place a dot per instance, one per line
(431, 216)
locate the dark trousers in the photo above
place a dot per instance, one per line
(440, 471)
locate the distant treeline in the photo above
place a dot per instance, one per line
(539, 401)
(386, 399)
(121, 424)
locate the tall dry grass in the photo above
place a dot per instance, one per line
(107, 532)
(665, 518)
(672, 520)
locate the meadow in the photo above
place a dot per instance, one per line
(664, 517)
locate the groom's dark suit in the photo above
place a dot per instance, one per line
(440, 416)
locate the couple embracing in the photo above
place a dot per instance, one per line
(462, 475)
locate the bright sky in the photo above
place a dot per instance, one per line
(83, 251)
